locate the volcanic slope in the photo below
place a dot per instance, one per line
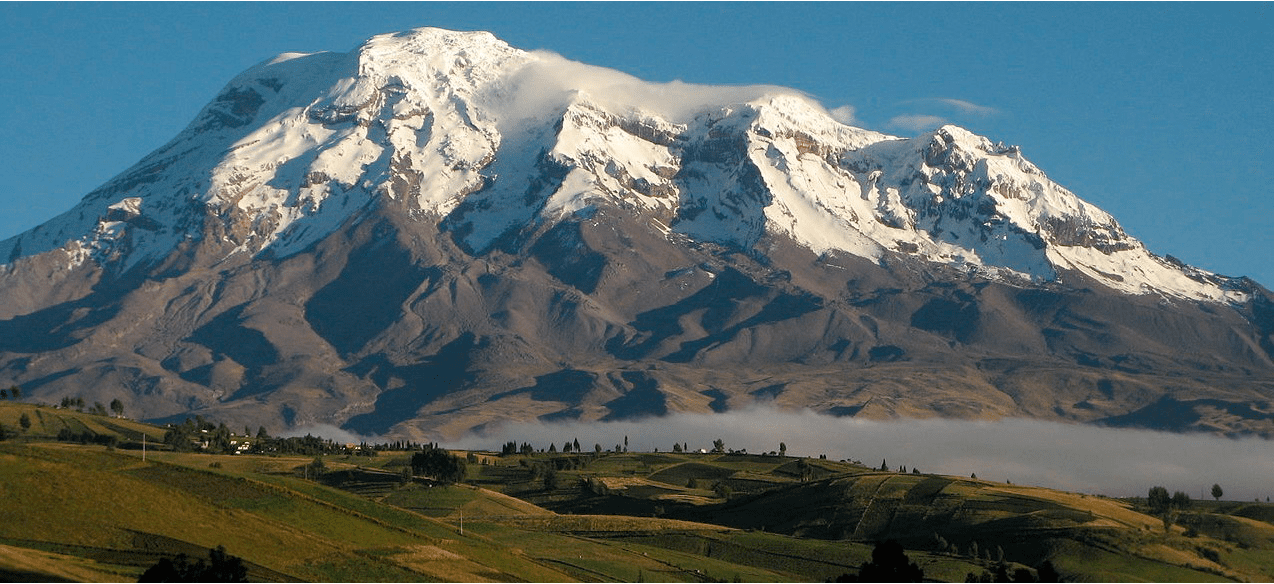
(437, 232)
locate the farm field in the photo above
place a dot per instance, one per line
(74, 511)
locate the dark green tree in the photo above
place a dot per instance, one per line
(15, 392)
(718, 446)
(25, 421)
(1217, 492)
(1158, 500)
(219, 440)
(262, 434)
(1181, 501)
(889, 563)
(221, 567)
(438, 464)
(181, 436)
(576, 445)
(117, 407)
(1047, 573)
(315, 467)
(782, 449)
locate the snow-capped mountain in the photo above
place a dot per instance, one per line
(359, 189)
(462, 128)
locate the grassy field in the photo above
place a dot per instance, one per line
(85, 512)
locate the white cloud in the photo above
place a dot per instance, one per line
(844, 114)
(1072, 457)
(959, 106)
(969, 107)
(916, 122)
(550, 81)
(937, 111)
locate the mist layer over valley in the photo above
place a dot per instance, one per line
(1080, 458)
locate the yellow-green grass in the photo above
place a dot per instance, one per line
(805, 559)
(460, 501)
(590, 558)
(306, 503)
(1097, 565)
(19, 564)
(286, 527)
(86, 496)
(877, 504)
(1254, 561)
(681, 474)
(82, 498)
(105, 514)
(47, 422)
(1029, 523)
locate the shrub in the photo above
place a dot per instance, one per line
(221, 567)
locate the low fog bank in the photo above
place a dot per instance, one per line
(1086, 459)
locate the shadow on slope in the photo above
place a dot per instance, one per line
(413, 386)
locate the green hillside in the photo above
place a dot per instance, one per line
(1088, 538)
(99, 512)
(47, 422)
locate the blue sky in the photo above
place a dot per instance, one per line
(1157, 113)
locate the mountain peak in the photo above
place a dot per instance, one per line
(488, 139)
